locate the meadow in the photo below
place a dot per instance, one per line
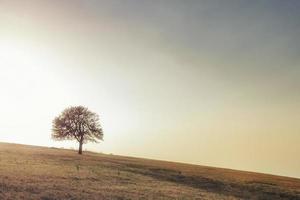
(31, 172)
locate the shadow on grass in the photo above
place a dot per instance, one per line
(250, 190)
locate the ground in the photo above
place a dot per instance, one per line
(30, 172)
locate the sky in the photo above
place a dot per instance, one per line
(207, 82)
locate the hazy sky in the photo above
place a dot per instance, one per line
(208, 82)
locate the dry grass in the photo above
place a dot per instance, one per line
(28, 172)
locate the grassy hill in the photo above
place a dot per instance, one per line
(30, 172)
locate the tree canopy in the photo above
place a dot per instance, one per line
(77, 123)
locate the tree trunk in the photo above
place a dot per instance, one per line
(80, 147)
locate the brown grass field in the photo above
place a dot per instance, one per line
(30, 172)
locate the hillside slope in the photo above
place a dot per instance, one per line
(29, 172)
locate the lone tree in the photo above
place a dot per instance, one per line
(77, 123)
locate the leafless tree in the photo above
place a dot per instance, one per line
(77, 123)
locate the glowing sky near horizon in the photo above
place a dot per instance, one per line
(208, 82)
